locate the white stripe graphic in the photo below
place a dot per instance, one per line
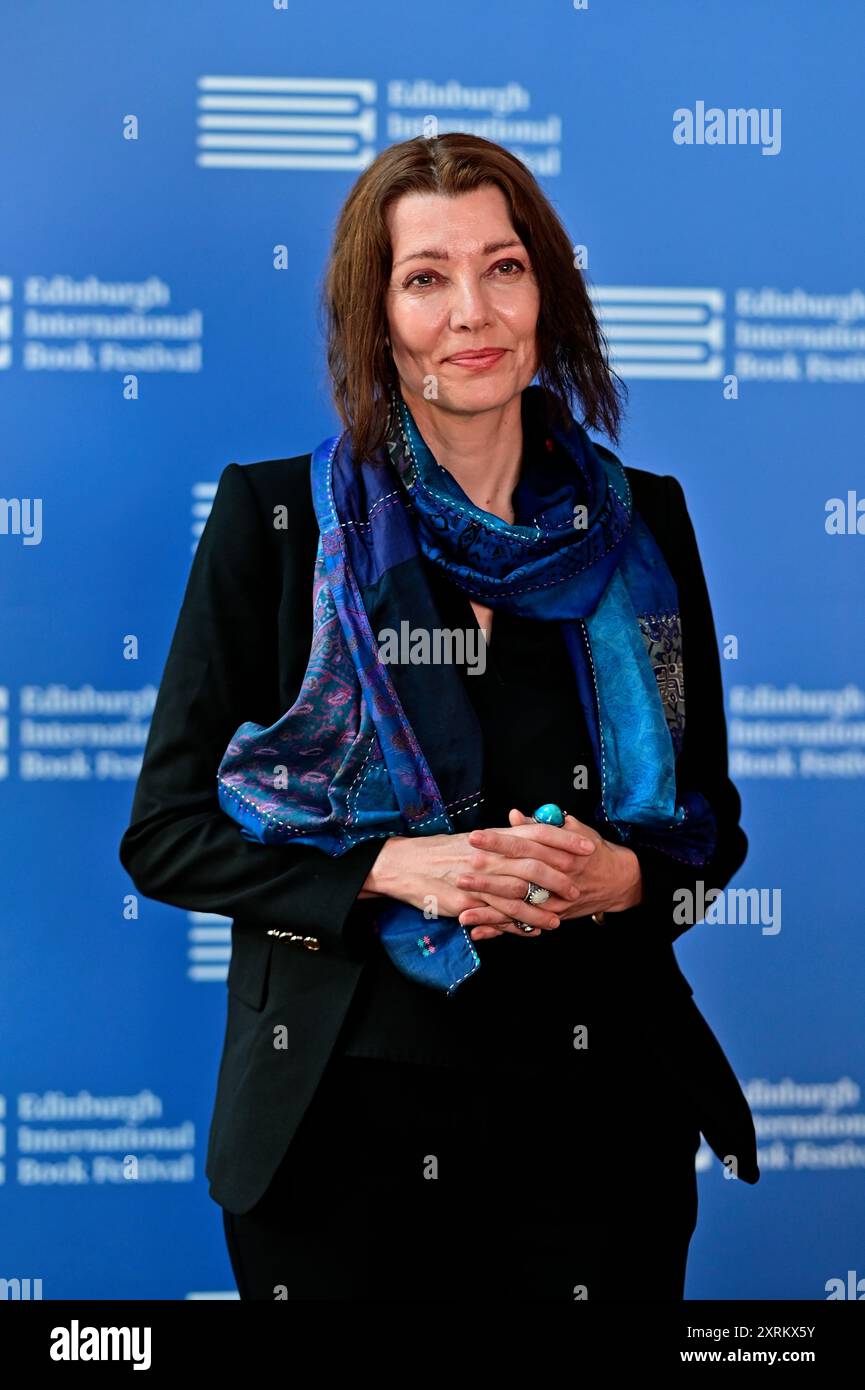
(663, 332)
(331, 125)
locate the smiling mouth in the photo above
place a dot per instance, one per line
(479, 358)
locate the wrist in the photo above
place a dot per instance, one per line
(384, 874)
(630, 892)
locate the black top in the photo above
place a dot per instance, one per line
(529, 994)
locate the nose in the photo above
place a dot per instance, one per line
(468, 306)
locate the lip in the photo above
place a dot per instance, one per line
(482, 357)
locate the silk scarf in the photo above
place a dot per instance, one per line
(374, 747)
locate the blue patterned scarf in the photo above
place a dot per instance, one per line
(361, 753)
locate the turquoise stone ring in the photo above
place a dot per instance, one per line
(548, 814)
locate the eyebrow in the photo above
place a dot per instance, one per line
(433, 254)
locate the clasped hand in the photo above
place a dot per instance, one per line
(482, 876)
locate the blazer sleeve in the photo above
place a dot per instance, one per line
(702, 762)
(222, 668)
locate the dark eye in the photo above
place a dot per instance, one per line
(428, 275)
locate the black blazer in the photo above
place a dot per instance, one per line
(239, 652)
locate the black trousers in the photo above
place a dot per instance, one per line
(415, 1182)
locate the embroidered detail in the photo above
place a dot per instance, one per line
(662, 633)
(426, 946)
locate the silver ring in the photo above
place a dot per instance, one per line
(536, 895)
(524, 926)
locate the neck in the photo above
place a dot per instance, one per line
(483, 451)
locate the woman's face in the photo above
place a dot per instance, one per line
(461, 281)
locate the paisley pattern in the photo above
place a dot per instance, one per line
(363, 752)
(662, 633)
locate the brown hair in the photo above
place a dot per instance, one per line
(572, 351)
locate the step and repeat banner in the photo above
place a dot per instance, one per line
(171, 175)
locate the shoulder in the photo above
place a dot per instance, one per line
(272, 480)
(262, 511)
(660, 500)
(648, 489)
(658, 497)
(252, 493)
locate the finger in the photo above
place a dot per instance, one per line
(558, 907)
(518, 911)
(517, 850)
(516, 817)
(530, 871)
(574, 839)
(483, 923)
(551, 843)
(483, 916)
(507, 925)
(514, 930)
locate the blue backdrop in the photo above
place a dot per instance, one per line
(157, 158)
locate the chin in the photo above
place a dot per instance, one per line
(479, 394)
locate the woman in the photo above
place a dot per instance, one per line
(460, 1059)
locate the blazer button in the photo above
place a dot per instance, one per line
(311, 943)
